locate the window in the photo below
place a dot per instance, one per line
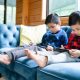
(44, 9)
(11, 12)
(8, 13)
(63, 7)
(1, 12)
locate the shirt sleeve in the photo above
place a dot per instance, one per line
(69, 45)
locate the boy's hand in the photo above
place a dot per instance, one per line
(74, 53)
(62, 47)
(49, 48)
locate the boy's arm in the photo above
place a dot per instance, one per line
(69, 45)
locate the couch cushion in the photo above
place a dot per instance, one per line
(32, 34)
(27, 68)
(60, 71)
(9, 35)
(24, 67)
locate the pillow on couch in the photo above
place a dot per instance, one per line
(32, 34)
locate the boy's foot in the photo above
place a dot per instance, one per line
(41, 60)
(4, 59)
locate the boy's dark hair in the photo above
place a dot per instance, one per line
(74, 18)
(52, 18)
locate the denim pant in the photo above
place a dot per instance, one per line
(19, 51)
(53, 56)
(56, 57)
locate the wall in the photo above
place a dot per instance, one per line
(35, 12)
(64, 20)
(22, 11)
(29, 12)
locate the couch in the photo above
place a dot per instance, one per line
(27, 69)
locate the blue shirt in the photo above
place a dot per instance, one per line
(55, 39)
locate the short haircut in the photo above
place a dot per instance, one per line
(52, 18)
(74, 18)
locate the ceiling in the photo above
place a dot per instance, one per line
(9, 2)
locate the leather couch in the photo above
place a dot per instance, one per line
(26, 69)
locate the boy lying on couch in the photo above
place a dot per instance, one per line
(47, 57)
(54, 38)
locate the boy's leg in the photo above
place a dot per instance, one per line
(4, 59)
(61, 58)
(44, 59)
(7, 57)
(40, 59)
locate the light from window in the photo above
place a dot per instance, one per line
(63, 7)
(11, 14)
(43, 9)
(1, 14)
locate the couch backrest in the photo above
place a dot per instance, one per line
(9, 35)
(67, 29)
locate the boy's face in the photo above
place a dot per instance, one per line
(54, 27)
(76, 29)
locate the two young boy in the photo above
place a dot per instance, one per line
(73, 46)
(54, 39)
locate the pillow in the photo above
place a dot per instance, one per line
(32, 34)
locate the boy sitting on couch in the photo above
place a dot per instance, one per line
(73, 46)
(54, 38)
